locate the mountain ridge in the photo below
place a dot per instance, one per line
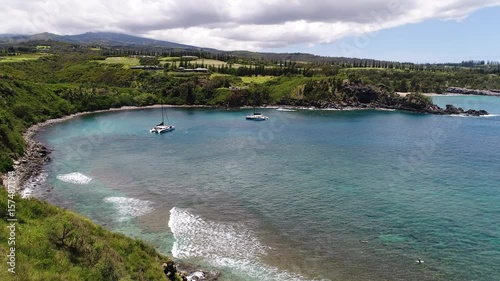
(121, 40)
(111, 39)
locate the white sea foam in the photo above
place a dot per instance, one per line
(31, 184)
(128, 208)
(26, 192)
(196, 237)
(223, 245)
(471, 116)
(285, 109)
(75, 178)
(195, 276)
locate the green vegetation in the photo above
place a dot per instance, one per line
(55, 244)
(71, 78)
(126, 61)
(257, 79)
(423, 81)
(21, 57)
(287, 87)
(169, 59)
(67, 81)
(210, 62)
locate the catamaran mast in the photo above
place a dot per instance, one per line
(162, 118)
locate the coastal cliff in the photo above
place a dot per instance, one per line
(49, 243)
(362, 96)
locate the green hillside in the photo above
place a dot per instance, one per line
(76, 80)
(56, 244)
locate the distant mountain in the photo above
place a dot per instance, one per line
(118, 40)
(114, 39)
(98, 38)
(8, 35)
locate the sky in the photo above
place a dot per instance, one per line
(397, 30)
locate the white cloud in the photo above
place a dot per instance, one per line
(226, 24)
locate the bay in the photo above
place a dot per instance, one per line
(333, 195)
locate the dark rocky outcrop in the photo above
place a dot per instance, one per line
(465, 91)
(452, 110)
(188, 272)
(365, 96)
(170, 270)
(30, 165)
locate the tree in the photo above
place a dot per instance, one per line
(149, 61)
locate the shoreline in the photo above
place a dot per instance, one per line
(465, 92)
(28, 171)
(28, 168)
(404, 94)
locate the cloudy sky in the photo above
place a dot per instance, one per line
(408, 30)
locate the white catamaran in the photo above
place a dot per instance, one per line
(162, 128)
(256, 116)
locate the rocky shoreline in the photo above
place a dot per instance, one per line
(449, 110)
(29, 167)
(36, 155)
(465, 91)
(429, 109)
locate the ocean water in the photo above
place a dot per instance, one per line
(307, 195)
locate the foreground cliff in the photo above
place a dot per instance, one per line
(44, 242)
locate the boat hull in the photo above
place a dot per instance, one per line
(285, 109)
(257, 118)
(162, 129)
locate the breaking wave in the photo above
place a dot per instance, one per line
(75, 178)
(32, 183)
(222, 245)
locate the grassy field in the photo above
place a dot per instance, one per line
(216, 63)
(170, 59)
(23, 57)
(257, 79)
(126, 61)
(206, 62)
(218, 74)
(209, 62)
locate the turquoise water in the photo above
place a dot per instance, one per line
(332, 195)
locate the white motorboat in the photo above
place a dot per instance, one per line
(285, 109)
